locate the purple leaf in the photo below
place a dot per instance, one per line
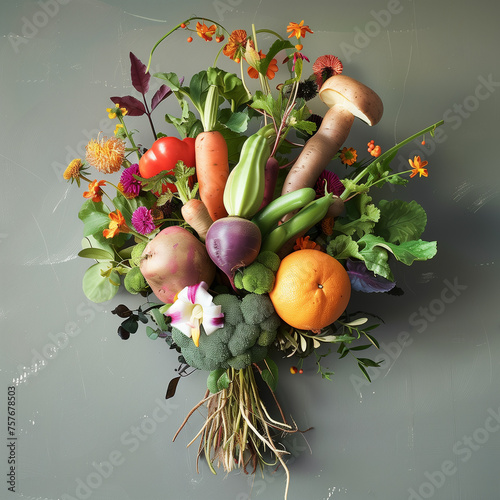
(133, 106)
(140, 77)
(161, 94)
(363, 280)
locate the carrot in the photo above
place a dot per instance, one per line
(195, 213)
(212, 170)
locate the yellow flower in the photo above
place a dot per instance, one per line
(298, 30)
(118, 128)
(348, 156)
(106, 154)
(418, 167)
(116, 226)
(116, 111)
(73, 169)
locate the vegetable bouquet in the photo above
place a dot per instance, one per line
(244, 224)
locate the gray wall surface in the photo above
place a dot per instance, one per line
(90, 416)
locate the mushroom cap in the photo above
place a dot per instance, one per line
(360, 100)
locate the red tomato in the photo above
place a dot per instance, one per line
(164, 154)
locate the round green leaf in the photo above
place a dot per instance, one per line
(99, 288)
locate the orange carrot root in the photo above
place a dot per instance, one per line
(195, 213)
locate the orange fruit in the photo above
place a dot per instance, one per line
(311, 291)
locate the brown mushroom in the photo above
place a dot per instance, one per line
(347, 99)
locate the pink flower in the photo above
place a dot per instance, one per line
(131, 186)
(142, 220)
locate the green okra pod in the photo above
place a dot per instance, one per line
(245, 185)
(267, 218)
(303, 220)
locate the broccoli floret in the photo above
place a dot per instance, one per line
(269, 259)
(250, 327)
(134, 281)
(212, 351)
(259, 276)
(256, 308)
(244, 338)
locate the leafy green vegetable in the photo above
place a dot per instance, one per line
(401, 221)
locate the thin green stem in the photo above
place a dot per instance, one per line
(129, 137)
(384, 156)
(175, 29)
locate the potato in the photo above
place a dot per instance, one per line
(174, 259)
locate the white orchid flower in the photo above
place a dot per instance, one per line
(194, 307)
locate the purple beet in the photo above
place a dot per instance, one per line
(233, 242)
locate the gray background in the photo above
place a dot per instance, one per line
(428, 425)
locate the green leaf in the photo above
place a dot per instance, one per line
(95, 253)
(99, 282)
(270, 375)
(365, 373)
(171, 79)
(100, 242)
(130, 324)
(223, 381)
(94, 217)
(276, 47)
(305, 126)
(263, 102)
(361, 217)
(151, 333)
(198, 88)
(237, 122)
(159, 319)
(376, 260)
(406, 252)
(230, 87)
(343, 247)
(368, 362)
(400, 221)
(361, 347)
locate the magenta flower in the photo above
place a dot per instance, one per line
(142, 220)
(131, 186)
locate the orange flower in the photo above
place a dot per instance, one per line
(418, 167)
(303, 243)
(106, 154)
(271, 69)
(116, 226)
(95, 191)
(235, 44)
(348, 156)
(205, 32)
(298, 30)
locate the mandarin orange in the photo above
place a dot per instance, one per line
(311, 291)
